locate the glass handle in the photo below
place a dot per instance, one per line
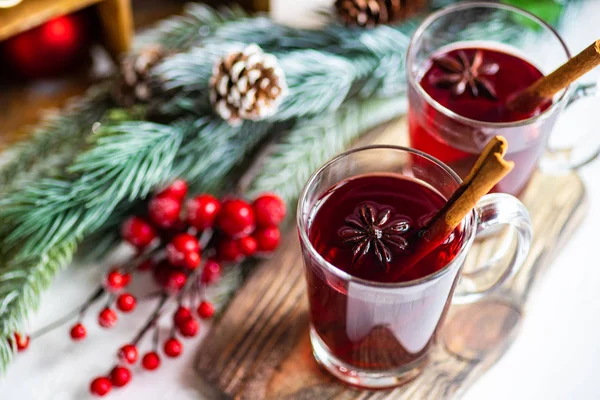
(495, 210)
(566, 159)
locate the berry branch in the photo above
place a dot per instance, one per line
(184, 243)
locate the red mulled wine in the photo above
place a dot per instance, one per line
(476, 83)
(365, 226)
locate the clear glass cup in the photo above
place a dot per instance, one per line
(377, 335)
(456, 140)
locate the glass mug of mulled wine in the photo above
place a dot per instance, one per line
(459, 84)
(373, 318)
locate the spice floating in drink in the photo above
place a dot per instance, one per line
(476, 83)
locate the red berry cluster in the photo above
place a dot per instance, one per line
(184, 243)
(182, 233)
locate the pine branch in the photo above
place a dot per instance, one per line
(127, 161)
(44, 223)
(197, 22)
(299, 152)
(20, 285)
(54, 141)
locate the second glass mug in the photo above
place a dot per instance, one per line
(457, 140)
(378, 335)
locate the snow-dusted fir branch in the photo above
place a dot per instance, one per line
(311, 142)
(54, 141)
(197, 22)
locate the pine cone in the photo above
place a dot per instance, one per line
(247, 85)
(370, 13)
(134, 84)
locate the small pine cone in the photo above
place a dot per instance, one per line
(134, 84)
(370, 13)
(247, 85)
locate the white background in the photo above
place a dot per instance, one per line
(556, 355)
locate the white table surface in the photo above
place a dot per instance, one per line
(555, 357)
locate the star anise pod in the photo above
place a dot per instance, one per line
(460, 73)
(369, 229)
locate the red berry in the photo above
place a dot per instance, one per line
(126, 279)
(189, 328)
(248, 246)
(236, 218)
(107, 318)
(162, 272)
(177, 190)
(211, 272)
(229, 250)
(164, 211)
(138, 232)
(78, 332)
(128, 354)
(269, 210)
(267, 239)
(202, 211)
(181, 245)
(151, 361)
(173, 347)
(100, 386)
(115, 280)
(120, 376)
(146, 265)
(22, 341)
(192, 260)
(181, 315)
(205, 310)
(126, 302)
(175, 281)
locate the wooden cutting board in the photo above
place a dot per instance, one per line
(260, 347)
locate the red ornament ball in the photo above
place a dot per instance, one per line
(269, 210)
(128, 354)
(248, 246)
(151, 361)
(181, 315)
(180, 246)
(267, 239)
(189, 328)
(173, 348)
(138, 232)
(78, 332)
(228, 249)
(107, 318)
(201, 211)
(115, 280)
(22, 341)
(164, 211)
(120, 376)
(211, 272)
(206, 310)
(50, 49)
(177, 190)
(236, 218)
(126, 302)
(175, 281)
(100, 386)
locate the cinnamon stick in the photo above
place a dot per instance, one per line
(546, 87)
(488, 170)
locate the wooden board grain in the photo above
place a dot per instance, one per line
(260, 348)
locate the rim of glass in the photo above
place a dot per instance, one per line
(469, 220)
(474, 4)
